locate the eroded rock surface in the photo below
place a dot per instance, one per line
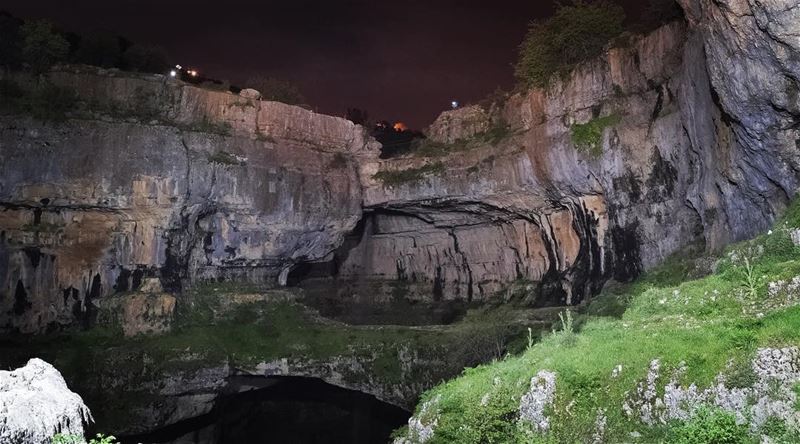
(699, 146)
(155, 178)
(35, 404)
(94, 205)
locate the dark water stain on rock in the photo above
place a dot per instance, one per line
(662, 179)
(627, 258)
(21, 303)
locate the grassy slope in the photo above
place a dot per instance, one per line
(706, 323)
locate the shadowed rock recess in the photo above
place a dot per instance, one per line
(154, 197)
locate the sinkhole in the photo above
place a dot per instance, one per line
(285, 409)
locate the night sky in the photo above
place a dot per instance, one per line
(402, 60)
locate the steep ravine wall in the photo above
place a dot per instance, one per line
(93, 205)
(701, 149)
(154, 178)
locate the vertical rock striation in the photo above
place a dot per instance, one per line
(696, 142)
(687, 135)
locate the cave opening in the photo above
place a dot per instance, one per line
(285, 409)
(373, 300)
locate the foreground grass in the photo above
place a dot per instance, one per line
(711, 325)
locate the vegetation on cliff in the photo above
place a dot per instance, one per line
(401, 177)
(668, 358)
(575, 33)
(38, 45)
(588, 137)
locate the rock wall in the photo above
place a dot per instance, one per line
(699, 145)
(37, 404)
(692, 139)
(192, 185)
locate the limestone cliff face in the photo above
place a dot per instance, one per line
(692, 139)
(698, 145)
(96, 204)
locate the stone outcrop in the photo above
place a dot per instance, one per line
(156, 179)
(460, 124)
(148, 310)
(36, 404)
(698, 146)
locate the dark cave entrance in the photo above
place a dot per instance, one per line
(255, 409)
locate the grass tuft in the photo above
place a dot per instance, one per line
(588, 137)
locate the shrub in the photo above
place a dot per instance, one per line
(495, 99)
(576, 33)
(566, 336)
(711, 426)
(659, 12)
(588, 137)
(10, 51)
(276, 90)
(432, 148)
(99, 49)
(41, 46)
(410, 175)
(499, 131)
(778, 431)
(62, 438)
(740, 374)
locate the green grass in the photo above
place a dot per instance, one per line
(410, 175)
(588, 137)
(498, 132)
(712, 323)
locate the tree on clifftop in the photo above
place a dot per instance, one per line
(10, 54)
(99, 49)
(575, 33)
(41, 46)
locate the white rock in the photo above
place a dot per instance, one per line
(539, 397)
(35, 404)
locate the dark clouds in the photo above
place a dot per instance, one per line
(399, 60)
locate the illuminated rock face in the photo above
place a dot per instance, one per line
(697, 145)
(96, 205)
(36, 404)
(688, 135)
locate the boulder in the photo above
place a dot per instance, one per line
(250, 93)
(35, 404)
